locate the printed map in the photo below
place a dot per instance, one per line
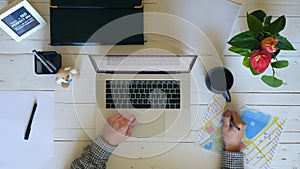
(260, 140)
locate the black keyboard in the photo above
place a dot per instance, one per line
(143, 94)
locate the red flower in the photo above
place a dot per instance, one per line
(260, 60)
(269, 44)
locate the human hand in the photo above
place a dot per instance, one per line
(231, 136)
(118, 128)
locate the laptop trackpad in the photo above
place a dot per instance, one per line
(155, 128)
(151, 122)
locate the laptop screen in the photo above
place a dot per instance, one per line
(143, 63)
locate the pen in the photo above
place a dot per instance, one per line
(52, 66)
(30, 121)
(43, 60)
(232, 123)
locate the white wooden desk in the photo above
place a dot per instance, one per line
(75, 109)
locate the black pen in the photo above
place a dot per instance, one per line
(30, 121)
(232, 123)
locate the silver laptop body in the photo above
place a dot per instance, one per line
(155, 88)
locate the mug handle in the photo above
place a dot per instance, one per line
(227, 96)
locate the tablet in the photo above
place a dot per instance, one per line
(19, 19)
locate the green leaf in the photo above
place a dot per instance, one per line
(280, 64)
(254, 23)
(246, 62)
(268, 20)
(271, 81)
(278, 25)
(266, 34)
(246, 40)
(274, 54)
(259, 14)
(283, 43)
(240, 51)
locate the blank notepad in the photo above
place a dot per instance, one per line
(37, 151)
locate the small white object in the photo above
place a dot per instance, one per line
(60, 81)
(19, 19)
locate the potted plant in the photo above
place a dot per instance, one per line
(261, 44)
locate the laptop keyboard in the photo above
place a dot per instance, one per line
(148, 60)
(143, 94)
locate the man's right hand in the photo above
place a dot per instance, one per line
(231, 136)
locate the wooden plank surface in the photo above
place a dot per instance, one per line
(287, 156)
(76, 110)
(81, 119)
(23, 77)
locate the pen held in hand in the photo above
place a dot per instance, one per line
(28, 129)
(232, 123)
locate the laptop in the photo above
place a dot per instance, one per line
(94, 22)
(155, 88)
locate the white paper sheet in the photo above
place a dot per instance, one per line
(216, 18)
(37, 151)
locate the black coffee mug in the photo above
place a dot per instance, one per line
(219, 80)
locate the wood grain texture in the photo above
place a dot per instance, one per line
(76, 109)
(287, 156)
